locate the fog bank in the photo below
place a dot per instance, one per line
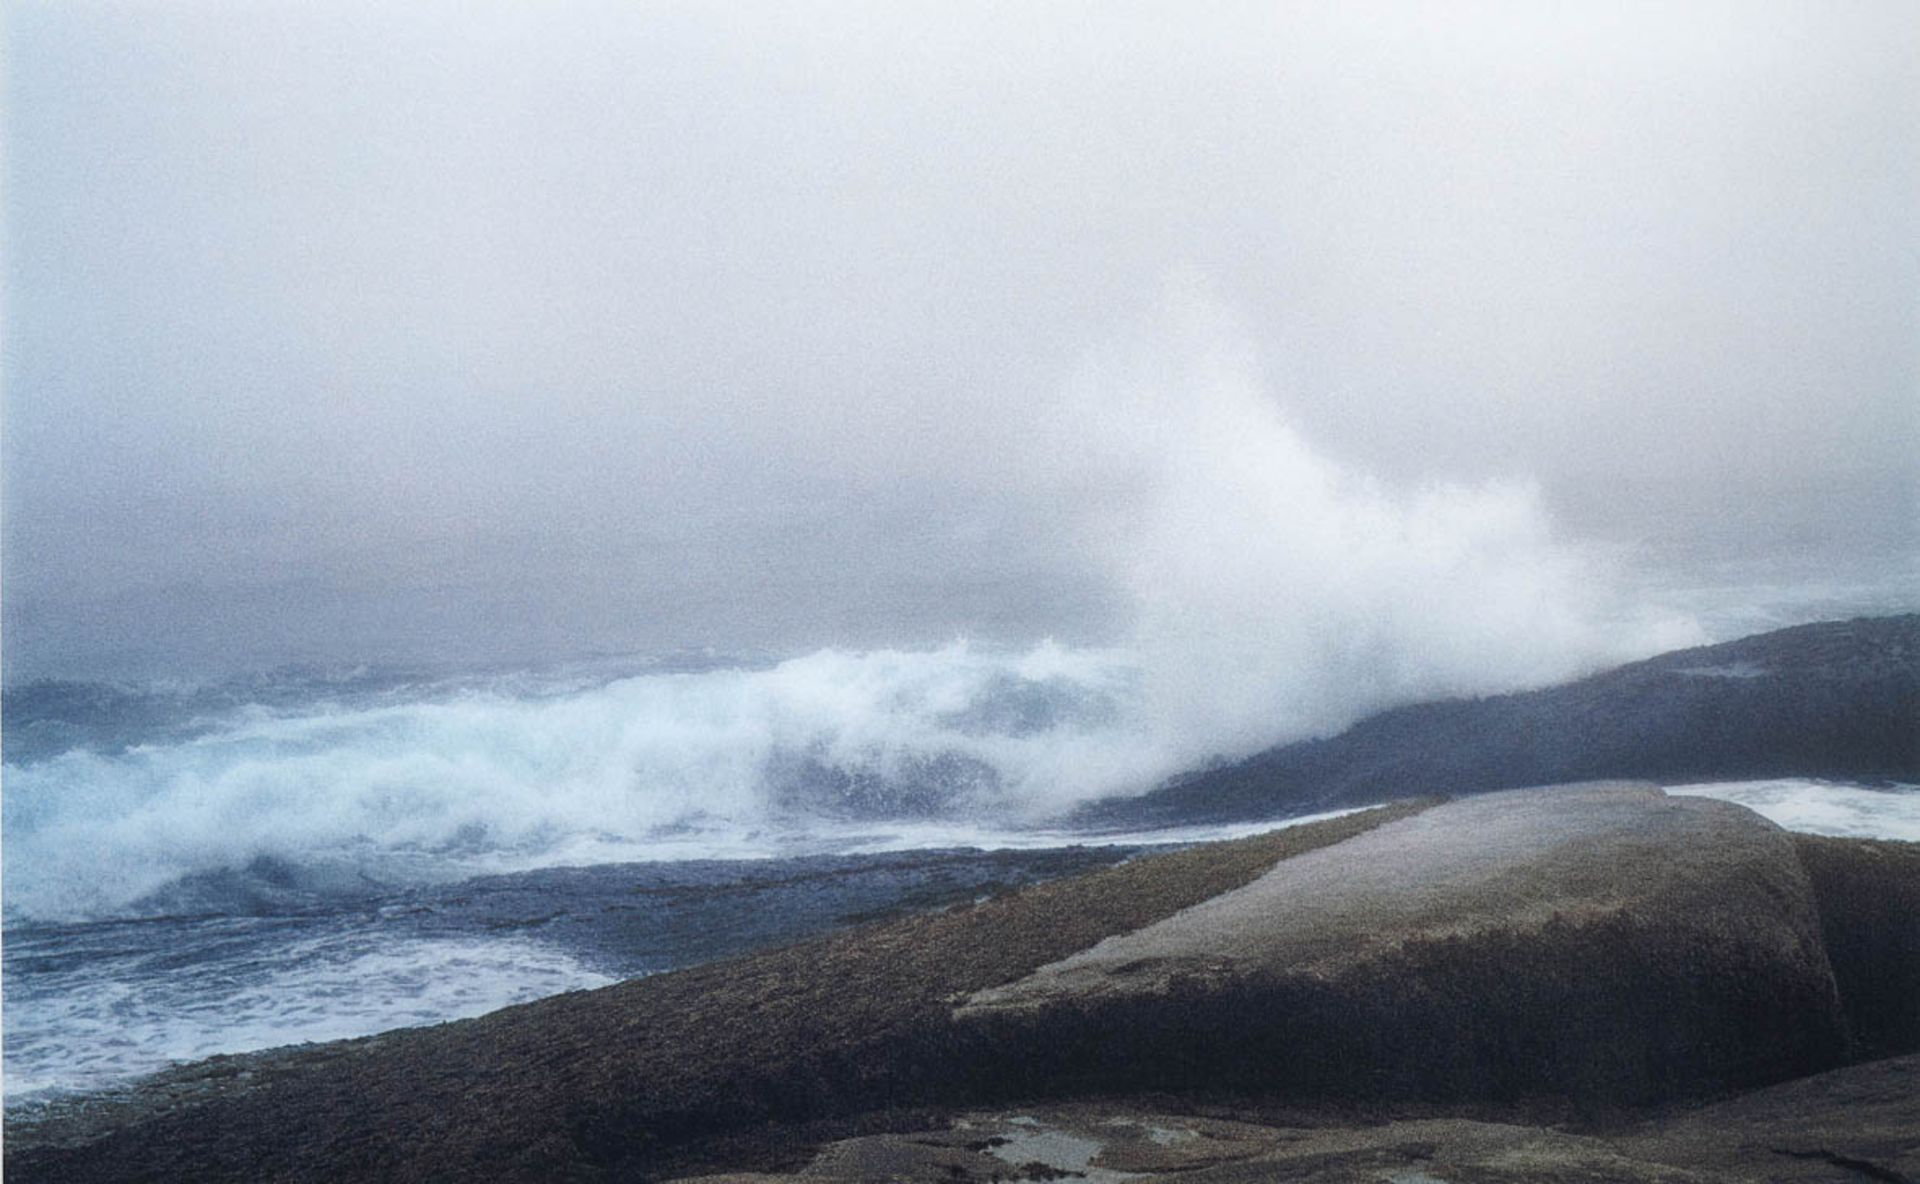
(351, 332)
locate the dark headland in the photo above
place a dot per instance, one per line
(1836, 699)
(1581, 982)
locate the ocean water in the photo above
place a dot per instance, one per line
(218, 867)
(91, 1005)
(1824, 807)
(198, 868)
(136, 801)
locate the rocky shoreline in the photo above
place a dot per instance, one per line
(1566, 964)
(1853, 1124)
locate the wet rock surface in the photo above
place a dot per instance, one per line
(1856, 1124)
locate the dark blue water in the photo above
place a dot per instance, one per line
(307, 855)
(263, 963)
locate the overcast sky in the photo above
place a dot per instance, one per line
(561, 326)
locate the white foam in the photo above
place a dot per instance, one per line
(84, 1032)
(1823, 807)
(485, 781)
(1280, 593)
(909, 838)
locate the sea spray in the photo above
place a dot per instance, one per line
(1274, 594)
(1278, 593)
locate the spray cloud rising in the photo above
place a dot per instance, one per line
(1273, 594)
(1278, 594)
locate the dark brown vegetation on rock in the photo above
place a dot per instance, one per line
(1868, 893)
(1611, 1012)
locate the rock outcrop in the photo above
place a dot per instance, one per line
(1869, 897)
(1604, 941)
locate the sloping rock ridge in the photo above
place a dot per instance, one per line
(1605, 941)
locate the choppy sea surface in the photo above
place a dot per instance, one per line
(196, 868)
(218, 867)
(1824, 807)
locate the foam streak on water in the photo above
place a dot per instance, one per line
(98, 1016)
(1823, 807)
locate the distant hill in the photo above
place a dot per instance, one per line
(1838, 699)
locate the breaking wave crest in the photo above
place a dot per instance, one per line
(480, 779)
(1274, 594)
